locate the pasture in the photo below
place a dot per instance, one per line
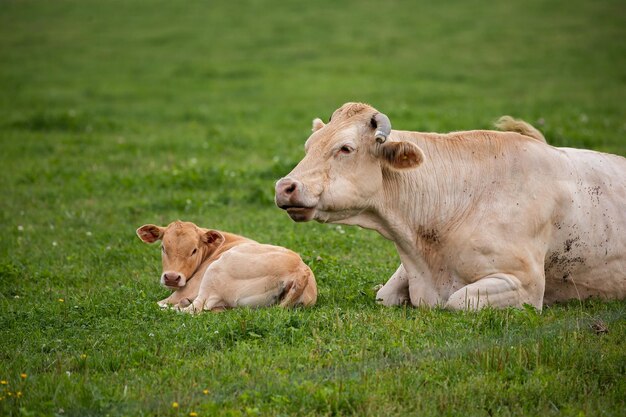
(114, 114)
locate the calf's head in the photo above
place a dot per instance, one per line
(183, 248)
(342, 171)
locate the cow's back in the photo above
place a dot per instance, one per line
(587, 253)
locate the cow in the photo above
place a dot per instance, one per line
(213, 270)
(478, 218)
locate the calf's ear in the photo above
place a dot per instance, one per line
(150, 233)
(317, 124)
(213, 238)
(400, 155)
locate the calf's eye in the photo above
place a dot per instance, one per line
(194, 252)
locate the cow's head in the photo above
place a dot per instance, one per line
(183, 248)
(342, 170)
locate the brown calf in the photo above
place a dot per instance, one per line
(213, 270)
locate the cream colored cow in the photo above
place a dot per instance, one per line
(213, 270)
(478, 217)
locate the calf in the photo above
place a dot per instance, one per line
(213, 270)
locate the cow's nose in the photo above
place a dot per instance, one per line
(287, 186)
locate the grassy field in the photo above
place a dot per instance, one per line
(114, 114)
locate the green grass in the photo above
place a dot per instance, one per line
(114, 114)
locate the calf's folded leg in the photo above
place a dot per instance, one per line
(200, 304)
(301, 290)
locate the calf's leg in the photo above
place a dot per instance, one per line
(301, 290)
(182, 297)
(207, 297)
(211, 303)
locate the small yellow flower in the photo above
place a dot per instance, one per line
(9, 393)
(193, 414)
(174, 404)
(83, 356)
(23, 376)
(3, 382)
(18, 394)
(61, 300)
(205, 391)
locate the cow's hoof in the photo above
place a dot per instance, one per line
(393, 300)
(163, 304)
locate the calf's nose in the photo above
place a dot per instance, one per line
(171, 278)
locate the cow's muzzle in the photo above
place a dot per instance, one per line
(289, 197)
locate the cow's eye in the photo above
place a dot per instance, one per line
(194, 252)
(345, 149)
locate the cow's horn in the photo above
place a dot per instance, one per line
(383, 127)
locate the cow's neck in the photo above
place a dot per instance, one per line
(418, 208)
(437, 195)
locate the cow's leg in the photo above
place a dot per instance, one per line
(396, 290)
(498, 290)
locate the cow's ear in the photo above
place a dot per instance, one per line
(400, 155)
(150, 233)
(212, 238)
(317, 124)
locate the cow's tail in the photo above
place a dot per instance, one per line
(509, 124)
